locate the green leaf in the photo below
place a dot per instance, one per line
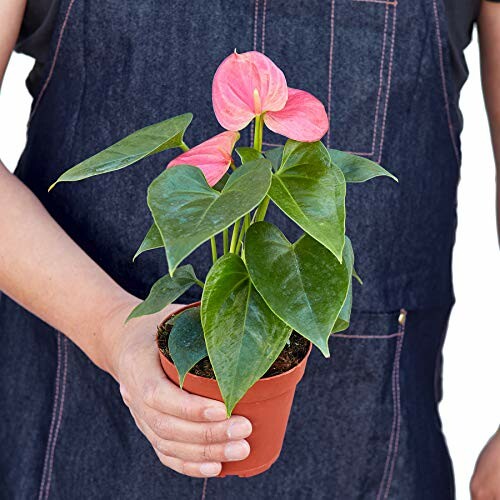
(188, 211)
(165, 291)
(151, 241)
(344, 318)
(186, 342)
(357, 277)
(248, 154)
(303, 283)
(356, 168)
(345, 313)
(144, 142)
(222, 182)
(243, 336)
(274, 156)
(311, 191)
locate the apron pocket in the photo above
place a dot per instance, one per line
(347, 414)
(355, 39)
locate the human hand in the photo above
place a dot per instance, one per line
(485, 483)
(190, 434)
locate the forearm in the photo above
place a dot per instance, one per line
(42, 269)
(489, 38)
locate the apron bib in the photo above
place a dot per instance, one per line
(365, 423)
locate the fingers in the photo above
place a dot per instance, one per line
(194, 452)
(165, 397)
(172, 428)
(218, 452)
(197, 460)
(192, 469)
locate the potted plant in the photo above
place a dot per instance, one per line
(265, 300)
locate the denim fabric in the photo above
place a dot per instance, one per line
(365, 423)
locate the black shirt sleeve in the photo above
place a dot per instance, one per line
(38, 24)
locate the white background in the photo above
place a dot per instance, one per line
(471, 406)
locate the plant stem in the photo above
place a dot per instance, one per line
(246, 225)
(214, 249)
(199, 283)
(184, 146)
(225, 241)
(258, 133)
(233, 166)
(260, 213)
(234, 236)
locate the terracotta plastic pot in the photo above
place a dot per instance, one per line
(267, 405)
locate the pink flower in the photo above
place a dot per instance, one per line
(302, 119)
(212, 157)
(246, 85)
(250, 84)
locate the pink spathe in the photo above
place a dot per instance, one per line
(246, 85)
(212, 156)
(250, 84)
(302, 119)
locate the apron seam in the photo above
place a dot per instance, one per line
(367, 337)
(53, 417)
(204, 489)
(59, 417)
(439, 40)
(393, 447)
(389, 81)
(53, 63)
(330, 69)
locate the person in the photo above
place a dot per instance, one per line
(365, 424)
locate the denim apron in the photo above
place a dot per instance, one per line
(365, 423)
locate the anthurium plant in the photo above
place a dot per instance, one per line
(262, 286)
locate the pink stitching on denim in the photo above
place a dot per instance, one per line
(204, 490)
(59, 418)
(398, 425)
(54, 60)
(389, 80)
(272, 144)
(386, 2)
(396, 406)
(263, 37)
(330, 69)
(443, 82)
(53, 417)
(381, 80)
(347, 336)
(255, 22)
(393, 428)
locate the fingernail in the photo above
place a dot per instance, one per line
(215, 413)
(239, 429)
(236, 451)
(210, 469)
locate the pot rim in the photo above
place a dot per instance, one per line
(195, 377)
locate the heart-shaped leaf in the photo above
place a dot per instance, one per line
(144, 142)
(243, 336)
(165, 291)
(188, 211)
(186, 342)
(311, 191)
(356, 168)
(151, 241)
(303, 283)
(248, 154)
(274, 156)
(345, 313)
